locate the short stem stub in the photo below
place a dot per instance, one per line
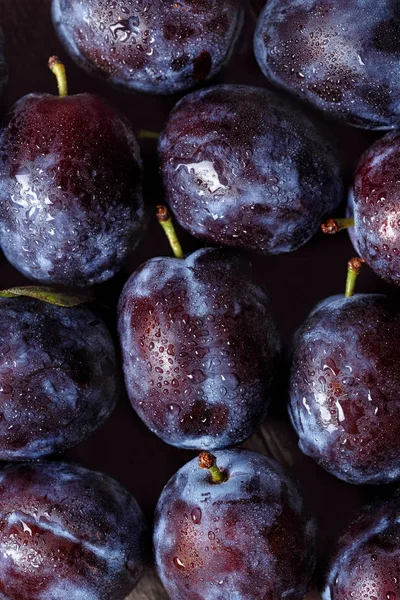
(353, 269)
(165, 220)
(335, 225)
(57, 67)
(208, 461)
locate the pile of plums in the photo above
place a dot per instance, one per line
(246, 170)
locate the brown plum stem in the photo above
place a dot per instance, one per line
(165, 220)
(335, 225)
(58, 69)
(209, 462)
(353, 269)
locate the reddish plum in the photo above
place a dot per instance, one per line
(71, 205)
(366, 564)
(342, 56)
(344, 388)
(246, 538)
(199, 349)
(58, 377)
(376, 208)
(243, 167)
(162, 46)
(67, 533)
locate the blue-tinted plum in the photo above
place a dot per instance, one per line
(58, 377)
(247, 538)
(344, 388)
(67, 533)
(162, 46)
(71, 205)
(376, 208)
(366, 564)
(199, 349)
(342, 56)
(243, 167)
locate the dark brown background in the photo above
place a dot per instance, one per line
(124, 448)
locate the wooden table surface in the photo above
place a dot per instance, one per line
(124, 448)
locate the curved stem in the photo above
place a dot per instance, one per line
(57, 67)
(165, 220)
(335, 225)
(353, 270)
(208, 461)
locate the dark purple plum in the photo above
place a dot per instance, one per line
(199, 349)
(162, 46)
(247, 538)
(376, 208)
(58, 377)
(71, 205)
(366, 563)
(342, 56)
(243, 167)
(67, 533)
(344, 388)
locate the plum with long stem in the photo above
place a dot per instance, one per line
(199, 347)
(345, 377)
(71, 206)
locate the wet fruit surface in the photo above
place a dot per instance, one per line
(344, 386)
(58, 377)
(376, 207)
(71, 205)
(161, 47)
(243, 167)
(67, 533)
(247, 538)
(199, 347)
(367, 561)
(342, 56)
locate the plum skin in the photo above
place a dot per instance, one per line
(376, 208)
(67, 533)
(250, 537)
(343, 57)
(344, 387)
(58, 377)
(71, 205)
(366, 562)
(243, 167)
(199, 349)
(161, 47)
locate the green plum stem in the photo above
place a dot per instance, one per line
(165, 220)
(46, 294)
(146, 134)
(332, 226)
(58, 69)
(208, 461)
(353, 270)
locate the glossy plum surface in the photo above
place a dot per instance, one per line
(248, 538)
(243, 167)
(376, 207)
(344, 388)
(162, 46)
(67, 533)
(366, 565)
(199, 348)
(342, 56)
(71, 206)
(58, 377)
